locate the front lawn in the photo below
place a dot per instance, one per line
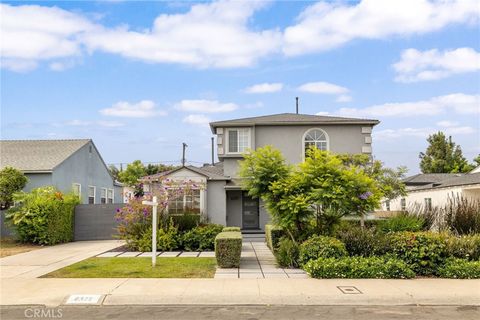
(9, 247)
(138, 268)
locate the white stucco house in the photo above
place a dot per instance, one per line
(434, 189)
(220, 198)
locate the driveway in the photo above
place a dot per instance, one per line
(42, 261)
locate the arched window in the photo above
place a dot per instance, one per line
(315, 138)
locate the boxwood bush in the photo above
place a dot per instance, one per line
(228, 249)
(359, 267)
(320, 247)
(424, 252)
(43, 216)
(229, 229)
(460, 269)
(272, 236)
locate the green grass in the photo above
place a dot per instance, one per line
(138, 268)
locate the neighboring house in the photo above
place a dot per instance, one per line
(69, 165)
(434, 189)
(222, 200)
(128, 193)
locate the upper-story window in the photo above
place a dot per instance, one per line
(315, 138)
(238, 140)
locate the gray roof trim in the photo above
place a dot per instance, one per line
(290, 119)
(471, 179)
(205, 173)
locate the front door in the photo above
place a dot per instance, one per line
(250, 212)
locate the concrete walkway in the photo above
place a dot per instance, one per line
(258, 262)
(54, 292)
(42, 261)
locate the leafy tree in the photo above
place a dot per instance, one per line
(11, 181)
(476, 161)
(132, 173)
(389, 180)
(113, 171)
(320, 189)
(157, 168)
(443, 156)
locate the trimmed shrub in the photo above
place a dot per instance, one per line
(228, 249)
(273, 235)
(201, 237)
(231, 229)
(362, 242)
(167, 240)
(186, 221)
(287, 253)
(43, 216)
(402, 222)
(320, 247)
(359, 267)
(460, 269)
(424, 252)
(464, 247)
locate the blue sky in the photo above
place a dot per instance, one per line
(140, 78)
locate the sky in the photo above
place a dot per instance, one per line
(140, 78)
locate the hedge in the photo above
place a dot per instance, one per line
(359, 267)
(231, 229)
(321, 247)
(228, 249)
(272, 236)
(460, 269)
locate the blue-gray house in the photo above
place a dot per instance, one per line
(69, 165)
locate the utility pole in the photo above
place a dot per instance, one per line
(183, 154)
(213, 153)
(296, 98)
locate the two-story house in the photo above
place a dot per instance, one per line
(222, 199)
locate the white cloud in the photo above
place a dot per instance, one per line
(432, 64)
(142, 109)
(459, 103)
(83, 123)
(323, 26)
(78, 123)
(197, 119)
(391, 134)
(323, 113)
(322, 88)
(344, 98)
(265, 88)
(110, 124)
(32, 33)
(205, 106)
(212, 34)
(447, 123)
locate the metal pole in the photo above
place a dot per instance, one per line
(154, 231)
(296, 98)
(183, 154)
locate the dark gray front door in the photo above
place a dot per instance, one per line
(250, 212)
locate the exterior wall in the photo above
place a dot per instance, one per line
(216, 202)
(36, 180)
(289, 140)
(87, 169)
(439, 197)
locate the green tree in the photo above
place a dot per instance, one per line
(443, 156)
(132, 173)
(476, 161)
(157, 168)
(11, 181)
(389, 180)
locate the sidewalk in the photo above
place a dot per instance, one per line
(36, 263)
(53, 292)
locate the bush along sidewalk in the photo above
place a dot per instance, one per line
(228, 249)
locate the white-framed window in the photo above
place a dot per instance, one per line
(403, 204)
(110, 196)
(103, 195)
(238, 140)
(315, 138)
(428, 203)
(91, 194)
(77, 189)
(178, 202)
(387, 205)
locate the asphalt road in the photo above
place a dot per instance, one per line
(242, 312)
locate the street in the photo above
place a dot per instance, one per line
(242, 312)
